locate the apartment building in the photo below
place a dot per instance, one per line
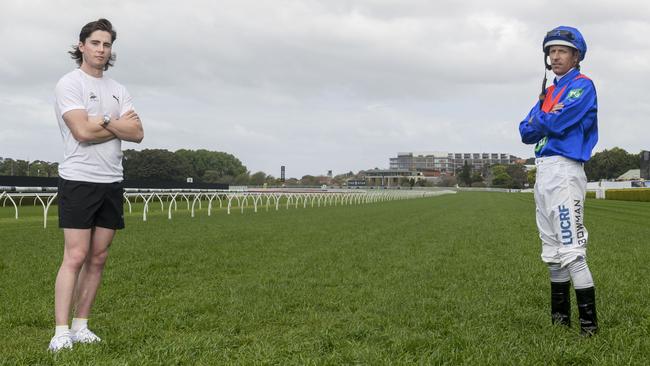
(444, 163)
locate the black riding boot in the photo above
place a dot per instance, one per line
(586, 298)
(561, 303)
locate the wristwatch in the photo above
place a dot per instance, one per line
(106, 120)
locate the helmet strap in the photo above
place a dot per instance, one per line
(542, 95)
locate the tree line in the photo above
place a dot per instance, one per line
(203, 166)
(606, 164)
(155, 164)
(206, 166)
(36, 168)
(610, 164)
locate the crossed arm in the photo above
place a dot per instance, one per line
(89, 129)
(561, 118)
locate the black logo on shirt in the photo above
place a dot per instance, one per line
(93, 97)
(117, 99)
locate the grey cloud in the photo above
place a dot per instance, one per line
(320, 85)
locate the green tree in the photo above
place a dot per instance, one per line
(509, 176)
(154, 164)
(609, 164)
(37, 168)
(502, 180)
(477, 177)
(499, 176)
(271, 180)
(257, 179)
(309, 180)
(53, 170)
(222, 166)
(518, 174)
(465, 174)
(213, 176)
(7, 167)
(20, 168)
(242, 179)
(532, 177)
(498, 169)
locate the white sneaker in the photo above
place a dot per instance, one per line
(58, 343)
(85, 335)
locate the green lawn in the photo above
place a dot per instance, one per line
(454, 279)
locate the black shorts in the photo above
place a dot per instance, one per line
(84, 205)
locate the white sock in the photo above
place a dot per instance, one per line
(60, 330)
(79, 323)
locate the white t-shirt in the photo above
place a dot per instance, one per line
(90, 162)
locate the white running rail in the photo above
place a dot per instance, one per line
(267, 199)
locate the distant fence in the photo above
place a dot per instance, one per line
(43, 184)
(252, 199)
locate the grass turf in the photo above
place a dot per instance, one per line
(454, 279)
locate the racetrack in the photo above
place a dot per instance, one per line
(454, 279)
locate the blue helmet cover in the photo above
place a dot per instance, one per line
(560, 33)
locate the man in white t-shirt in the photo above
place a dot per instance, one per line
(95, 115)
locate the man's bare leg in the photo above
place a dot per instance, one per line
(77, 244)
(91, 273)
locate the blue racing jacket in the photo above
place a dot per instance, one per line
(571, 132)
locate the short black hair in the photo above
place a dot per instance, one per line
(88, 29)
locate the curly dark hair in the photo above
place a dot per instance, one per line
(100, 24)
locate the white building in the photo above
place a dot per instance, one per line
(441, 162)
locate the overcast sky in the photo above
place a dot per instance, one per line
(324, 85)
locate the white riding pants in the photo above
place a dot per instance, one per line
(560, 189)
